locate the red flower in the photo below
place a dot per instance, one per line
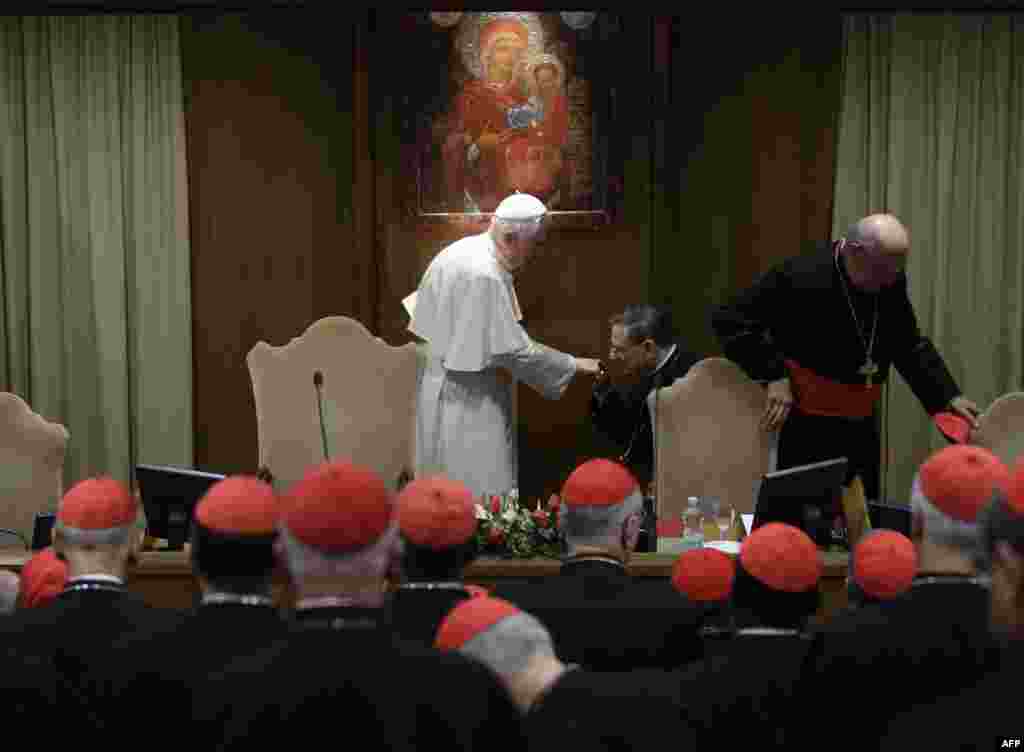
(554, 502)
(495, 537)
(495, 505)
(540, 517)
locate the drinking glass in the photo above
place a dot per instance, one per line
(724, 517)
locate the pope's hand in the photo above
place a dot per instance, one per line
(588, 366)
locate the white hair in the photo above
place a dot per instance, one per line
(940, 528)
(114, 536)
(508, 646)
(588, 525)
(10, 585)
(305, 562)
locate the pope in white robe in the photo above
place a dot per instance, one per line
(467, 312)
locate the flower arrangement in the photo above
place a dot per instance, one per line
(507, 528)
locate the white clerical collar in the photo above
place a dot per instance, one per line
(96, 578)
(664, 358)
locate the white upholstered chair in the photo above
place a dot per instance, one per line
(1001, 428)
(368, 394)
(708, 438)
(32, 451)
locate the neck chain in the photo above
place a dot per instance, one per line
(210, 599)
(951, 579)
(82, 586)
(870, 368)
(763, 631)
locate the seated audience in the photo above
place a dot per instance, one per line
(437, 520)
(754, 677)
(934, 639)
(232, 537)
(341, 666)
(882, 567)
(597, 614)
(985, 715)
(97, 534)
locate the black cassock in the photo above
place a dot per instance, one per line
(420, 607)
(69, 640)
(603, 619)
(744, 692)
(621, 413)
(158, 668)
(615, 710)
(341, 678)
(866, 668)
(984, 716)
(798, 311)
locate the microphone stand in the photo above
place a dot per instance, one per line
(318, 383)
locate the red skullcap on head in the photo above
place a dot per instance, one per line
(436, 512)
(960, 480)
(42, 579)
(884, 563)
(600, 483)
(704, 574)
(97, 504)
(470, 618)
(239, 505)
(782, 557)
(338, 507)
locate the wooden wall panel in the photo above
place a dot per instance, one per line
(268, 108)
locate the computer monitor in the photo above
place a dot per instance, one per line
(808, 497)
(169, 496)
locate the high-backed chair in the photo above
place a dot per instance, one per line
(368, 393)
(1001, 428)
(708, 438)
(32, 451)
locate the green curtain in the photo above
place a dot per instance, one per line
(932, 130)
(95, 324)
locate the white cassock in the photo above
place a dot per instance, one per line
(467, 312)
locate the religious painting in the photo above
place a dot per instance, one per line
(519, 103)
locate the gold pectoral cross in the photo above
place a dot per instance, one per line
(868, 370)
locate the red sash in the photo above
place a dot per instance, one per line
(816, 395)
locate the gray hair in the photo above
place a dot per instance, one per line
(10, 585)
(305, 562)
(114, 536)
(508, 646)
(514, 229)
(645, 321)
(598, 525)
(864, 231)
(940, 528)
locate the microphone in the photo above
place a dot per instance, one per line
(318, 384)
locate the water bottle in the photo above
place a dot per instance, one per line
(693, 524)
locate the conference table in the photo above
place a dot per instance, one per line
(165, 578)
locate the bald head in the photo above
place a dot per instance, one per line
(875, 250)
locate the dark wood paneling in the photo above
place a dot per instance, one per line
(270, 152)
